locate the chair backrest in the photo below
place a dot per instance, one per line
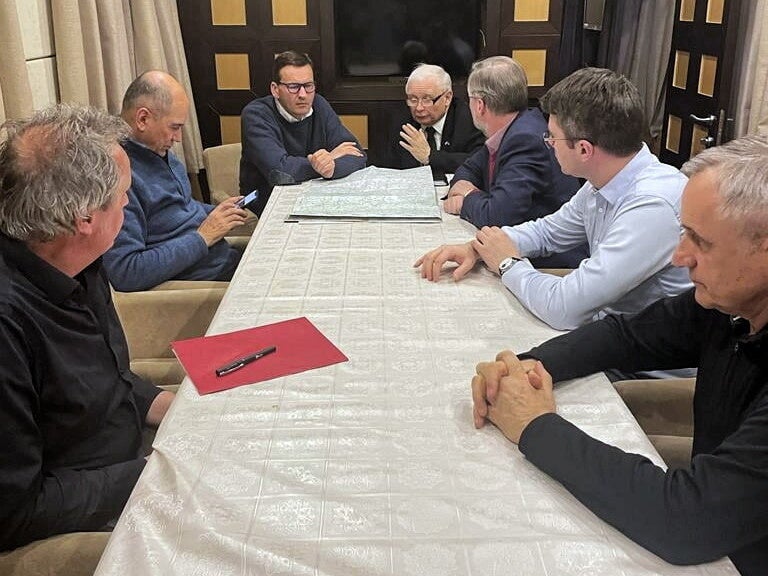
(222, 169)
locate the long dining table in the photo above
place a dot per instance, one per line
(372, 466)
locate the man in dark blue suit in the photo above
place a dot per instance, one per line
(439, 131)
(515, 176)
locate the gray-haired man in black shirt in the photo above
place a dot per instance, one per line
(71, 411)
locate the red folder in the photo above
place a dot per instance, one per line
(300, 346)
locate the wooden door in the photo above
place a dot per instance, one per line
(697, 109)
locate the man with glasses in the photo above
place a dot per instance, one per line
(514, 177)
(293, 135)
(167, 234)
(628, 211)
(440, 132)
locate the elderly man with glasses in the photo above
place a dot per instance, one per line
(628, 211)
(439, 131)
(293, 134)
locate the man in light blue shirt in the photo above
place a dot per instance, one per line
(628, 212)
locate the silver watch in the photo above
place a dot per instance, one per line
(507, 263)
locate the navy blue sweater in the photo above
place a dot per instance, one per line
(159, 239)
(275, 151)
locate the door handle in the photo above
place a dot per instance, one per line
(709, 120)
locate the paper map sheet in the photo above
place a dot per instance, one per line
(371, 193)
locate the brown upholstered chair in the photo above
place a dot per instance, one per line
(152, 319)
(222, 171)
(75, 554)
(664, 410)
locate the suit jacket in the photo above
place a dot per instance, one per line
(460, 139)
(527, 182)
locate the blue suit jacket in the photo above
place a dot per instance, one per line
(527, 181)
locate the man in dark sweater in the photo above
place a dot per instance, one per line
(439, 131)
(71, 410)
(719, 506)
(293, 135)
(167, 234)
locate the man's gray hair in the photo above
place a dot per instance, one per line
(424, 72)
(56, 167)
(739, 169)
(501, 83)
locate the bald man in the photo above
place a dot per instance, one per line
(167, 234)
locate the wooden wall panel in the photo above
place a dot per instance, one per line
(245, 34)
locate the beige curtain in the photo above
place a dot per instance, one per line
(650, 59)
(15, 92)
(751, 83)
(101, 46)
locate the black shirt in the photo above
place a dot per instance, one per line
(71, 411)
(720, 506)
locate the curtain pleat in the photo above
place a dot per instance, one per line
(102, 46)
(15, 92)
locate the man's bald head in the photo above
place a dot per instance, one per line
(155, 106)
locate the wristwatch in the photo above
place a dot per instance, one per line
(507, 263)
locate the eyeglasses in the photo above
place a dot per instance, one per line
(413, 101)
(294, 87)
(548, 139)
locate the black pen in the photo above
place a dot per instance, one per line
(244, 361)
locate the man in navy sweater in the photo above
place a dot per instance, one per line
(166, 234)
(293, 135)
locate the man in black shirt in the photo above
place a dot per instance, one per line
(719, 506)
(71, 411)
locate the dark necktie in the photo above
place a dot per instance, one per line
(430, 133)
(491, 166)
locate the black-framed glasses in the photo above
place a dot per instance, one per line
(295, 87)
(413, 101)
(549, 140)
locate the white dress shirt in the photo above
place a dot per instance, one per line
(632, 225)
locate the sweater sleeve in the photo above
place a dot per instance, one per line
(265, 148)
(691, 516)
(133, 265)
(335, 134)
(631, 343)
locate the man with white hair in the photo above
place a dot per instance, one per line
(440, 132)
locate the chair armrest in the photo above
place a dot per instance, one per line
(154, 318)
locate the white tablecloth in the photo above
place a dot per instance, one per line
(369, 467)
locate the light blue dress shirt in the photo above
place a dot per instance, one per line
(632, 225)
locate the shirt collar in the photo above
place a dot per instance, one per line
(494, 142)
(439, 125)
(621, 183)
(50, 280)
(288, 117)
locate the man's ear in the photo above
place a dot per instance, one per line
(586, 149)
(84, 225)
(273, 89)
(142, 116)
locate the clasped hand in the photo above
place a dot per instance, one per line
(324, 162)
(511, 394)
